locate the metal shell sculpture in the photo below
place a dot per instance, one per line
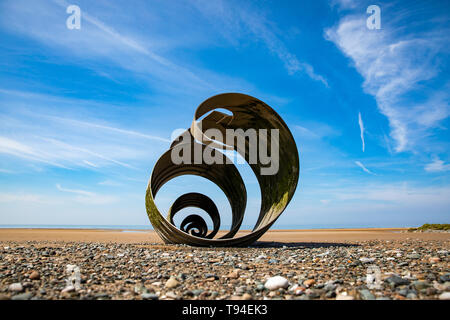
(277, 189)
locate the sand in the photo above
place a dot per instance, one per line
(285, 236)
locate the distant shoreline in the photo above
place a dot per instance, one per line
(143, 228)
(145, 236)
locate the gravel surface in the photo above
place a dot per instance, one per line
(412, 269)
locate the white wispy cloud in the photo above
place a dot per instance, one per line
(71, 148)
(87, 197)
(317, 130)
(53, 152)
(21, 150)
(100, 126)
(109, 183)
(116, 43)
(394, 65)
(361, 128)
(82, 192)
(24, 198)
(437, 165)
(34, 130)
(90, 164)
(233, 22)
(359, 164)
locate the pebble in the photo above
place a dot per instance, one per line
(366, 295)
(22, 296)
(233, 274)
(344, 297)
(409, 269)
(171, 295)
(247, 296)
(276, 282)
(419, 285)
(435, 259)
(15, 287)
(197, 292)
(68, 289)
(444, 296)
(171, 283)
(308, 283)
(149, 296)
(35, 275)
(396, 280)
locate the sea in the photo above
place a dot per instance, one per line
(131, 228)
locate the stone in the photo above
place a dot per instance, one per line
(344, 297)
(434, 259)
(35, 275)
(419, 285)
(15, 287)
(411, 295)
(68, 289)
(171, 283)
(260, 287)
(276, 282)
(445, 277)
(247, 296)
(444, 296)
(396, 280)
(367, 260)
(233, 274)
(22, 296)
(197, 292)
(149, 296)
(330, 287)
(308, 283)
(366, 295)
(171, 295)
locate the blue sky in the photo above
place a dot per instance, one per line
(86, 113)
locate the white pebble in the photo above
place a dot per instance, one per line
(16, 287)
(445, 296)
(68, 289)
(344, 297)
(276, 282)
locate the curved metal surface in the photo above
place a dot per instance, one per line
(248, 113)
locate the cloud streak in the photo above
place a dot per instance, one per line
(232, 22)
(81, 192)
(87, 197)
(437, 166)
(361, 128)
(359, 164)
(30, 132)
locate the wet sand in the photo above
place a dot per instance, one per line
(284, 236)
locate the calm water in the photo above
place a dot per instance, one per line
(149, 227)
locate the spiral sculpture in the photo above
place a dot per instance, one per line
(277, 188)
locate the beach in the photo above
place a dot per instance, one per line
(342, 264)
(286, 236)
